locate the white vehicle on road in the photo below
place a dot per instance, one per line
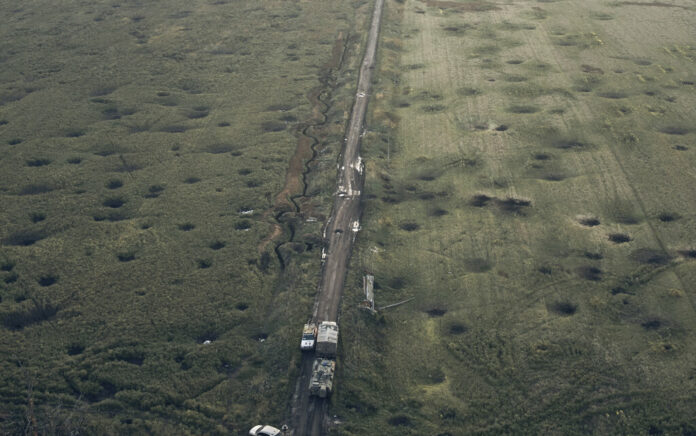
(264, 430)
(309, 336)
(355, 227)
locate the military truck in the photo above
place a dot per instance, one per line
(327, 339)
(321, 383)
(309, 336)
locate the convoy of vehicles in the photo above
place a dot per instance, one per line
(323, 339)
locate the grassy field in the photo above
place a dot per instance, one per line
(530, 182)
(143, 156)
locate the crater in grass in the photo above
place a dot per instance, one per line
(591, 273)
(400, 421)
(667, 217)
(436, 312)
(480, 200)
(409, 226)
(650, 256)
(24, 238)
(589, 221)
(457, 329)
(38, 162)
(75, 348)
(523, 109)
(477, 265)
(217, 245)
(126, 257)
(651, 324)
(619, 238)
(186, 227)
(113, 202)
(47, 280)
(114, 184)
(564, 308)
(675, 130)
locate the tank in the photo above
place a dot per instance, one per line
(327, 339)
(321, 383)
(309, 335)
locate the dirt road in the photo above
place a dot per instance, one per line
(310, 414)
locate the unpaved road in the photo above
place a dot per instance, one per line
(309, 414)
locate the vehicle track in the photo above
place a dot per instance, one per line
(310, 414)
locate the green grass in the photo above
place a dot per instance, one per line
(527, 219)
(133, 136)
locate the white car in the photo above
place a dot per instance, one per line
(264, 430)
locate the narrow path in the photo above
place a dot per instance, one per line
(309, 414)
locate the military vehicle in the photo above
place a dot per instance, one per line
(327, 339)
(264, 430)
(309, 336)
(321, 383)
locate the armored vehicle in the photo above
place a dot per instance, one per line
(321, 383)
(327, 339)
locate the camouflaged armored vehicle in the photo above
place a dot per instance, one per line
(321, 383)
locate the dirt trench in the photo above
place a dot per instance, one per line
(293, 200)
